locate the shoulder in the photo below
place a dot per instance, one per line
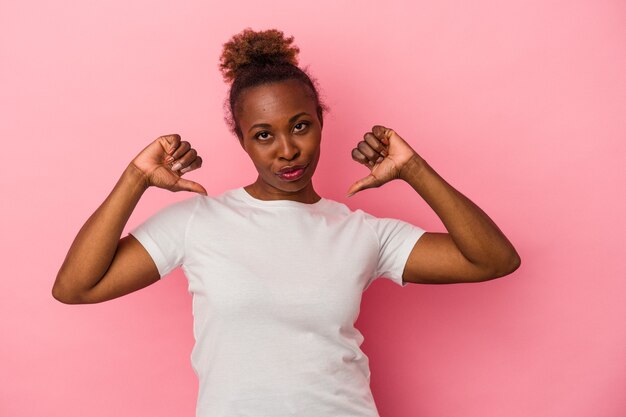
(341, 208)
(184, 207)
(187, 207)
(384, 227)
(354, 218)
(357, 214)
(199, 201)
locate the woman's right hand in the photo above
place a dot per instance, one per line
(165, 160)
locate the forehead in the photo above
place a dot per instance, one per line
(274, 102)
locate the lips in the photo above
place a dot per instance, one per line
(291, 173)
(290, 168)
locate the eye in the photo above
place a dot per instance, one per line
(300, 126)
(262, 135)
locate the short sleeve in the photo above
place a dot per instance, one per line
(396, 239)
(163, 234)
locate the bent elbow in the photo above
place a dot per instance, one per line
(64, 295)
(515, 263)
(507, 266)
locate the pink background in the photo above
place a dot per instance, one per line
(520, 105)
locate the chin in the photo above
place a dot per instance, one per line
(292, 187)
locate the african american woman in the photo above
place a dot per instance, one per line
(277, 271)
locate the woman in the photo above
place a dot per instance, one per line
(276, 271)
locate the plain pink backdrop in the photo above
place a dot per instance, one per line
(521, 105)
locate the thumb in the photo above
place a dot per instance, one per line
(186, 185)
(368, 182)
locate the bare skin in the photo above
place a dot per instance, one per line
(99, 265)
(280, 129)
(473, 250)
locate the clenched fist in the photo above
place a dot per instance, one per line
(384, 153)
(164, 162)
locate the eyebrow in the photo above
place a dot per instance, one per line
(291, 120)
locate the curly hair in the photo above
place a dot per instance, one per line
(254, 58)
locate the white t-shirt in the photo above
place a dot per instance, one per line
(276, 288)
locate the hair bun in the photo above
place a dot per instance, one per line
(268, 47)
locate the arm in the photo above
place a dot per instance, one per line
(99, 265)
(474, 249)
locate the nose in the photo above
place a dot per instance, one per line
(287, 148)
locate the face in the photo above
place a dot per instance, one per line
(281, 135)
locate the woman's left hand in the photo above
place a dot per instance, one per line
(385, 153)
